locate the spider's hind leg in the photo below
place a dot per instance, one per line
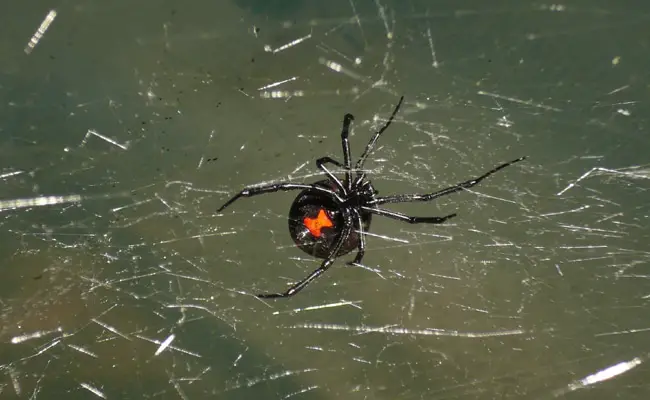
(327, 263)
(276, 187)
(358, 225)
(407, 218)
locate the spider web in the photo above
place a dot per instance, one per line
(124, 126)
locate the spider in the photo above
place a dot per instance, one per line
(329, 218)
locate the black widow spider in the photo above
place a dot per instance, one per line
(329, 218)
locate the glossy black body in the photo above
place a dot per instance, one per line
(307, 204)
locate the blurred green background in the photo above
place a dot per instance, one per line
(130, 122)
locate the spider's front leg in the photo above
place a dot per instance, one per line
(345, 144)
(402, 198)
(320, 163)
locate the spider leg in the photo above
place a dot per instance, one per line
(320, 163)
(300, 285)
(327, 263)
(407, 218)
(330, 160)
(276, 187)
(358, 225)
(400, 198)
(373, 140)
(345, 144)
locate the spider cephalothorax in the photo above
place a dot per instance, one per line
(330, 218)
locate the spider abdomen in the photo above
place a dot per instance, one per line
(316, 222)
